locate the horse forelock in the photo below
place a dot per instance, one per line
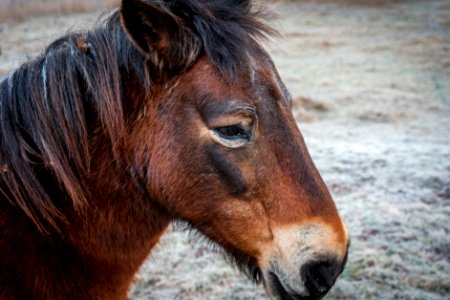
(228, 29)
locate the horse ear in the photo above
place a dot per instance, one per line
(159, 34)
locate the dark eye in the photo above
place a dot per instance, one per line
(233, 132)
(233, 136)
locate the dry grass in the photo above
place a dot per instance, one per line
(371, 94)
(23, 9)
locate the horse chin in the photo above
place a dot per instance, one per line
(275, 284)
(246, 264)
(279, 290)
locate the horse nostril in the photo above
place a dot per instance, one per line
(319, 276)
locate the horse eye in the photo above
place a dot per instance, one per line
(233, 136)
(232, 132)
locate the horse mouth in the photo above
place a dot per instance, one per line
(282, 292)
(246, 264)
(251, 269)
(256, 274)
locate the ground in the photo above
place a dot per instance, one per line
(371, 85)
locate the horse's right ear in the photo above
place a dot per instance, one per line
(159, 34)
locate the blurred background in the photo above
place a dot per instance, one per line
(23, 9)
(371, 88)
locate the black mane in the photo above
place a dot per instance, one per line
(49, 105)
(226, 28)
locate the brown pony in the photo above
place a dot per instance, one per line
(168, 110)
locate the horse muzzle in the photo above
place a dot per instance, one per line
(317, 277)
(304, 263)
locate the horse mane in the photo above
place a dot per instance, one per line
(49, 105)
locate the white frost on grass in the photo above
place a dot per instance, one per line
(371, 85)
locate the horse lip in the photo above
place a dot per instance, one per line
(282, 291)
(280, 288)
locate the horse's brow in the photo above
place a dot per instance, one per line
(233, 106)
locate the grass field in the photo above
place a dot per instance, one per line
(371, 89)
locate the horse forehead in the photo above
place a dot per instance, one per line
(263, 72)
(255, 73)
(258, 61)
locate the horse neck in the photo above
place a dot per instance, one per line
(100, 250)
(115, 236)
(122, 223)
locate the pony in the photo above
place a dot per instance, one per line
(166, 111)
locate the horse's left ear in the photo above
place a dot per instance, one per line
(161, 35)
